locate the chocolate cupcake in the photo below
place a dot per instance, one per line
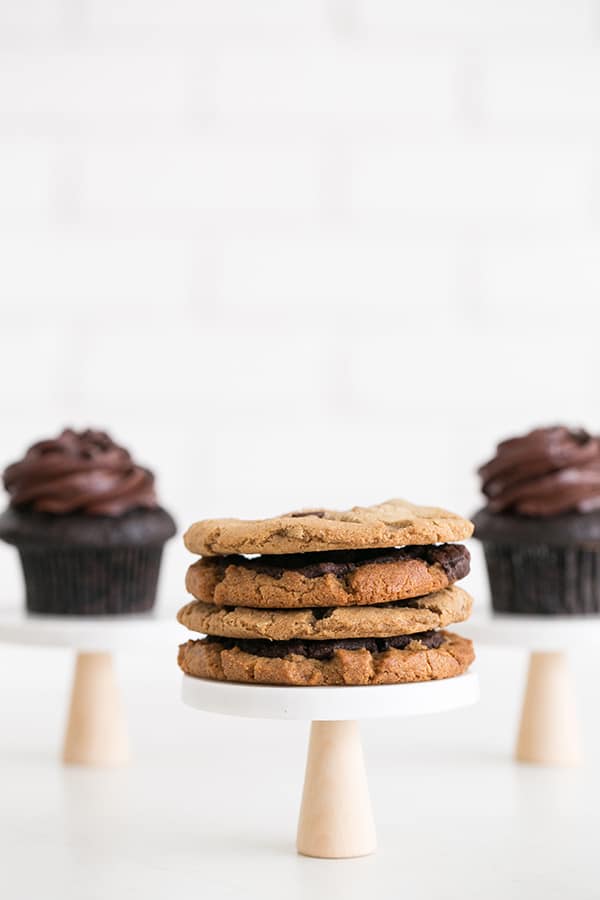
(541, 526)
(86, 522)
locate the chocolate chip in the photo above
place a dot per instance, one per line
(322, 612)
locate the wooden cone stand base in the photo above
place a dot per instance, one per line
(96, 733)
(336, 820)
(549, 731)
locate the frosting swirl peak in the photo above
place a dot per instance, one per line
(544, 473)
(79, 471)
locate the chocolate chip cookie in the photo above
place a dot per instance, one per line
(338, 578)
(403, 617)
(421, 657)
(391, 524)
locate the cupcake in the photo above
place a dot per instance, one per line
(540, 527)
(86, 522)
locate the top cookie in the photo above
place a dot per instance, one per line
(394, 523)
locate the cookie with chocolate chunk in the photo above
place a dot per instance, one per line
(394, 523)
(422, 657)
(403, 617)
(338, 578)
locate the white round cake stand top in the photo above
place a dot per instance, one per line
(96, 731)
(336, 820)
(330, 703)
(89, 634)
(541, 634)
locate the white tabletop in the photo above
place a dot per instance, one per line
(209, 806)
(330, 703)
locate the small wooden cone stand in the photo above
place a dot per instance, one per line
(96, 733)
(549, 731)
(336, 820)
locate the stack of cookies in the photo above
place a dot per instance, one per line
(321, 597)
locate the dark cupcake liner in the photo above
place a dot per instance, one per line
(539, 579)
(90, 581)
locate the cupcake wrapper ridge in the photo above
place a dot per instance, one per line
(91, 581)
(541, 579)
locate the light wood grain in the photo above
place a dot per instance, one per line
(549, 731)
(336, 820)
(96, 733)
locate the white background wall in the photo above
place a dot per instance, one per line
(297, 252)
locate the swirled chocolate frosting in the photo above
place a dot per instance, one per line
(79, 471)
(544, 473)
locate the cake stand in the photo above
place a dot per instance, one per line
(335, 820)
(549, 731)
(96, 733)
